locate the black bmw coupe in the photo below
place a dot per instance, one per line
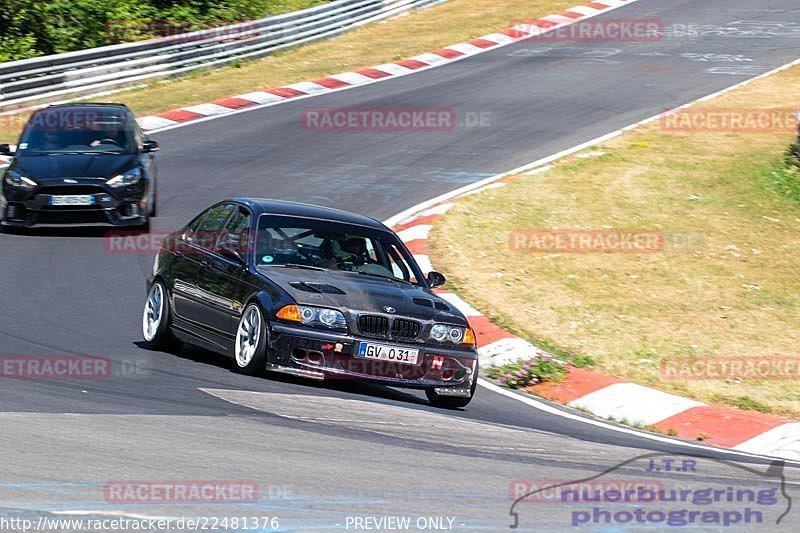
(310, 291)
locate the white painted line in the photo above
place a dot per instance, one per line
(393, 69)
(353, 78)
(498, 38)
(612, 3)
(782, 441)
(260, 97)
(308, 87)
(558, 19)
(532, 29)
(584, 10)
(466, 48)
(430, 59)
(460, 304)
(635, 403)
(544, 407)
(414, 233)
(208, 109)
(152, 122)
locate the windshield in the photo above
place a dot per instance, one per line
(89, 130)
(298, 242)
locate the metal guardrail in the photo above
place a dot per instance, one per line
(73, 74)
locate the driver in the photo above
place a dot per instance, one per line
(339, 249)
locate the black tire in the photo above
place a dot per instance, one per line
(451, 402)
(163, 339)
(154, 206)
(255, 364)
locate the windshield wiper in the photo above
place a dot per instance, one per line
(392, 278)
(297, 265)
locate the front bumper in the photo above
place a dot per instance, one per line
(330, 355)
(29, 209)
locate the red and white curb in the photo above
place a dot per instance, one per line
(346, 80)
(597, 393)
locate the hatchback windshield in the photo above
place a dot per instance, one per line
(84, 130)
(299, 242)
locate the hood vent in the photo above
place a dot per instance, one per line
(316, 287)
(424, 302)
(441, 306)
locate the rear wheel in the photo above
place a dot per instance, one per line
(251, 341)
(451, 402)
(156, 320)
(154, 205)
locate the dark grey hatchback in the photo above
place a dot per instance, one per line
(80, 164)
(309, 291)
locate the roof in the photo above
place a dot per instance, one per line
(279, 207)
(87, 104)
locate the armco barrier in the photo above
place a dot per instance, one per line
(63, 76)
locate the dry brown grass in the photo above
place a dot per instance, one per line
(390, 40)
(734, 292)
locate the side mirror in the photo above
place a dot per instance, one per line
(150, 146)
(5, 149)
(231, 251)
(436, 279)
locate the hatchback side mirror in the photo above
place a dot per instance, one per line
(150, 146)
(5, 149)
(436, 279)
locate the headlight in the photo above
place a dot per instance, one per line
(130, 177)
(439, 332)
(15, 179)
(314, 316)
(453, 334)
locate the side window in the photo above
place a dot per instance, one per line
(236, 231)
(210, 225)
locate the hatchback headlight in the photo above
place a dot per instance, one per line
(130, 177)
(17, 180)
(452, 334)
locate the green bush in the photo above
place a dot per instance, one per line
(785, 178)
(520, 375)
(29, 28)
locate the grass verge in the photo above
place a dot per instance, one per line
(725, 285)
(406, 35)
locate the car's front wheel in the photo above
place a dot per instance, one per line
(451, 402)
(251, 341)
(156, 320)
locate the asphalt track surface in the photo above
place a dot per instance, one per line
(321, 453)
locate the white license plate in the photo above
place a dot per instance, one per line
(386, 352)
(83, 199)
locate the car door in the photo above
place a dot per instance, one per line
(221, 275)
(197, 243)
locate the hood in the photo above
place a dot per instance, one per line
(57, 166)
(358, 293)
